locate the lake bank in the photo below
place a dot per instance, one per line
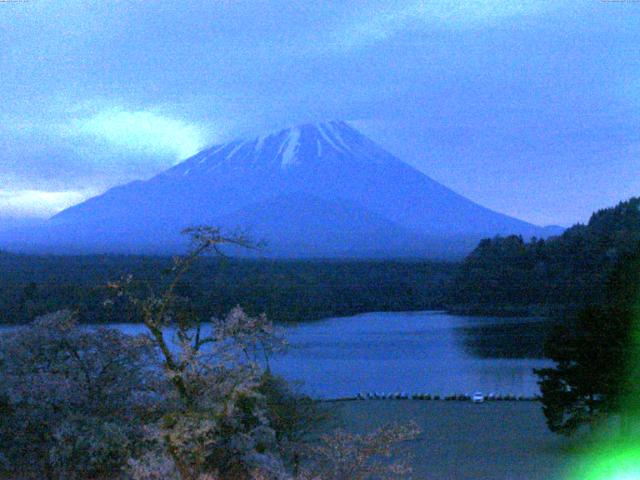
(490, 441)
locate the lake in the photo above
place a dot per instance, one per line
(412, 352)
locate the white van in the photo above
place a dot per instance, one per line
(477, 397)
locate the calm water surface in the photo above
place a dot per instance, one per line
(412, 352)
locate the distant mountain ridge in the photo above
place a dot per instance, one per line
(312, 190)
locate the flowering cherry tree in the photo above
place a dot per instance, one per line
(191, 399)
(75, 398)
(218, 424)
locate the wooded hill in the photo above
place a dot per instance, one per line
(507, 275)
(286, 290)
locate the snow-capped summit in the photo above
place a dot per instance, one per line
(319, 189)
(285, 149)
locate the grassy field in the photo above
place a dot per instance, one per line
(461, 440)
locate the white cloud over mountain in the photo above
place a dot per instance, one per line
(142, 132)
(37, 203)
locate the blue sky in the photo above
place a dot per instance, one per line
(531, 108)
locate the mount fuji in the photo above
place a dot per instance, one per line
(315, 190)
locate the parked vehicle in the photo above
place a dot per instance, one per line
(477, 397)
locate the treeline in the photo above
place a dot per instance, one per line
(286, 290)
(502, 276)
(510, 276)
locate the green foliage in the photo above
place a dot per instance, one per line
(596, 356)
(584, 383)
(508, 275)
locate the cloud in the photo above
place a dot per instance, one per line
(451, 14)
(85, 148)
(37, 203)
(141, 132)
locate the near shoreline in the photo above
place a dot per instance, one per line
(489, 441)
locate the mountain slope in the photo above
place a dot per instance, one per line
(337, 190)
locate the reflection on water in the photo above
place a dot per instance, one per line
(506, 338)
(403, 352)
(413, 352)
